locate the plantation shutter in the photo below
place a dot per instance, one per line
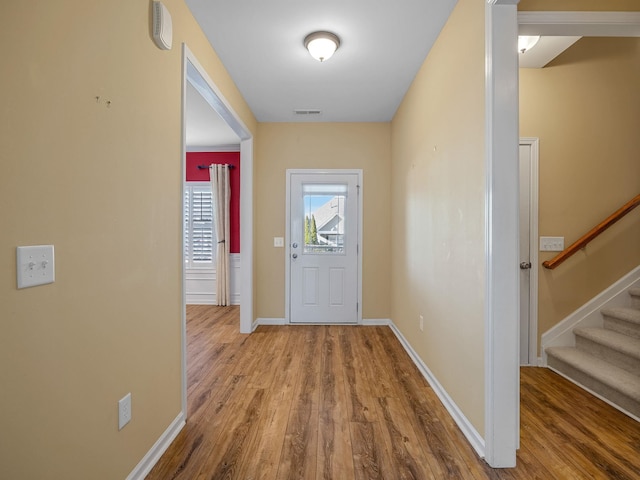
(198, 214)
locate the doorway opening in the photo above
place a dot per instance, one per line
(195, 79)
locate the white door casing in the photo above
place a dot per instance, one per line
(323, 281)
(528, 226)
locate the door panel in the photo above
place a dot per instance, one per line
(525, 256)
(310, 285)
(528, 211)
(323, 241)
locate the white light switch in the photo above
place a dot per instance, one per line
(551, 244)
(35, 265)
(278, 241)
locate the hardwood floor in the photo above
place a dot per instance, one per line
(345, 402)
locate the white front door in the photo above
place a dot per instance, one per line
(323, 247)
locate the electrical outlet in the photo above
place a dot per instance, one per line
(421, 323)
(124, 411)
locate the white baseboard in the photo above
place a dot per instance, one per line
(281, 321)
(208, 299)
(589, 314)
(270, 321)
(376, 322)
(153, 455)
(468, 430)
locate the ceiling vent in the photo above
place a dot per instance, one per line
(307, 111)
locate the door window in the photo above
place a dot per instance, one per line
(324, 218)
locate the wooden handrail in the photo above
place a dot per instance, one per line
(593, 233)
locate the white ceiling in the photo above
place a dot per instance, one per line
(384, 43)
(545, 50)
(204, 127)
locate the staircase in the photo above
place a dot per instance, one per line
(606, 360)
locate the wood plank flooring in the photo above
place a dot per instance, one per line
(345, 402)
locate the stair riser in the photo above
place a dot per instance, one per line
(619, 359)
(635, 301)
(622, 326)
(589, 382)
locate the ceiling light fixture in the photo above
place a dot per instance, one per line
(321, 45)
(527, 42)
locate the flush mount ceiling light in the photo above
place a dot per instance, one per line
(527, 42)
(321, 45)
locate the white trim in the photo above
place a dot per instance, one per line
(246, 235)
(202, 82)
(502, 386)
(586, 24)
(377, 322)
(287, 255)
(369, 322)
(201, 283)
(271, 321)
(533, 246)
(153, 455)
(287, 250)
(215, 148)
(468, 430)
(589, 314)
(235, 270)
(183, 277)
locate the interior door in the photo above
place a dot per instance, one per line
(323, 247)
(528, 165)
(525, 256)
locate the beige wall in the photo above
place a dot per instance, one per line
(579, 5)
(437, 191)
(103, 185)
(585, 108)
(281, 146)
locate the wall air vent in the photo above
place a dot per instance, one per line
(307, 111)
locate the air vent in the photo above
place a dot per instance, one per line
(307, 111)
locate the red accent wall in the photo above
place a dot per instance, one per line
(196, 175)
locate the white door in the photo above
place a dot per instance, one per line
(528, 254)
(323, 247)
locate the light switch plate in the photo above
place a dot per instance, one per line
(551, 244)
(278, 241)
(35, 265)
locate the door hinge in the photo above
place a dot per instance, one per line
(357, 307)
(358, 189)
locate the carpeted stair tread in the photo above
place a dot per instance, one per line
(615, 378)
(630, 315)
(635, 297)
(616, 341)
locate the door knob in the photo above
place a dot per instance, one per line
(295, 245)
(295, 255)
(525, 265)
